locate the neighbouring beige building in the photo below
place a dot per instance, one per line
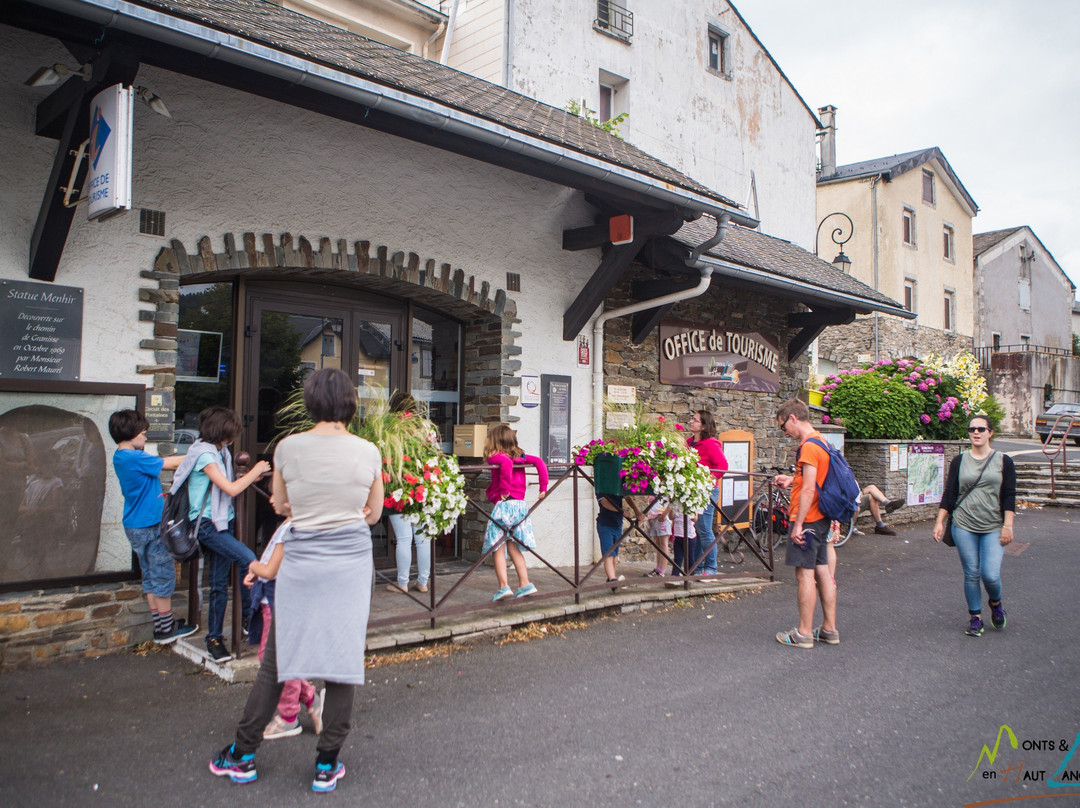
(910, 239)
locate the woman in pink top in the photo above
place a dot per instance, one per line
(510, 516)
(710, 454)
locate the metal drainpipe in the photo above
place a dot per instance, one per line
(598, 324)
(438, 32)
(449, 33)
(874, 225)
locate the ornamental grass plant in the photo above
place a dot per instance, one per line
(419, 481)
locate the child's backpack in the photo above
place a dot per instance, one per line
(178, 536)
(838, 498)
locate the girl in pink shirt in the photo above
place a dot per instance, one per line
(510, 516)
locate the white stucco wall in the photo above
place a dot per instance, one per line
(229, 162)
(716, 130)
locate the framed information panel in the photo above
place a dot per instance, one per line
(555, 419)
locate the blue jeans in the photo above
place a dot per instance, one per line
(405, 535)
(158, 567)
(609, 529)
(980, 555)
(221, 550)
(705, 535)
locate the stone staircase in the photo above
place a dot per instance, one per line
(1033, 482)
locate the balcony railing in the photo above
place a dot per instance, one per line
(615, 19)
(984, 353)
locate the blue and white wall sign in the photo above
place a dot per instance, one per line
(108, 183)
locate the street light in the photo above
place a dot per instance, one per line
(841, 262)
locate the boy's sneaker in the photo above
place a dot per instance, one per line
(827, 637)
(239, 770)
(503, 593)
(316, 710)
(656, 573)
(180, 629)
(280, 728)
(795, 639)
(217, 650)
(975, 627)
(997, 616)
(525, 591)
(617, 583)
(326, 776)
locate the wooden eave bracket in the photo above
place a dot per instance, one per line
(812, 323)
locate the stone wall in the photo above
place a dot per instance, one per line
(853, 344)
(725, 309)
(869, 459)
(39, 626)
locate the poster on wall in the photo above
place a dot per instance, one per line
(925, 473)
(694, 356)
(40, 331)
(555, 420)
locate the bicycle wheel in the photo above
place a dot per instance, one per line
(759, 524)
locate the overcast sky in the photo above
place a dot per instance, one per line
(994, 83)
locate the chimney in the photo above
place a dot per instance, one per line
(828, 140)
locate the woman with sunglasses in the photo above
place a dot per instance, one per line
(980, 493)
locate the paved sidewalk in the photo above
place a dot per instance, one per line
(492, 619)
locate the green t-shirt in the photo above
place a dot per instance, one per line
(199, 484)
(980, 511)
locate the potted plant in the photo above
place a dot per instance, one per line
(648, 456)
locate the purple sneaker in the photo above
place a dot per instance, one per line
(975, 627)
(997, 616)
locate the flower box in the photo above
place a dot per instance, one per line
(606, 477)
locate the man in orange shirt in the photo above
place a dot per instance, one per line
(807, 549)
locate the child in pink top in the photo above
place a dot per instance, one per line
(510, 516)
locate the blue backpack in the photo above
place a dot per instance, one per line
(838, 498)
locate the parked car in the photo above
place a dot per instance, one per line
(183, 438)
(1045, 422)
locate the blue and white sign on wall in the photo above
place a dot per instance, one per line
(108, 184)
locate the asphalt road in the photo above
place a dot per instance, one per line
(691, 706)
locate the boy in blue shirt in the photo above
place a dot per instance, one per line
(138, 473)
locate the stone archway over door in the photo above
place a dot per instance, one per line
(491, 360)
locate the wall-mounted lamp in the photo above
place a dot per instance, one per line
(153, 100)
(841, 262)
(45, 76)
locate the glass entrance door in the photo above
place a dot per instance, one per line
(288, 336)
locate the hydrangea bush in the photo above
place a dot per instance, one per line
(909, 398)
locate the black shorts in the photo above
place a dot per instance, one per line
(814, 553)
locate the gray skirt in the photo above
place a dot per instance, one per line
(322, 603)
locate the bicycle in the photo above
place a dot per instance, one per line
(781, 505)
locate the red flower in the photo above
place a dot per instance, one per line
(660, 418)
(680, 427)
(418, 493)
(406, 459)
(410, 479)
(385, 477)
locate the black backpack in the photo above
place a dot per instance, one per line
(179, 537)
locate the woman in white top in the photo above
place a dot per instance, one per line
(330, 483)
